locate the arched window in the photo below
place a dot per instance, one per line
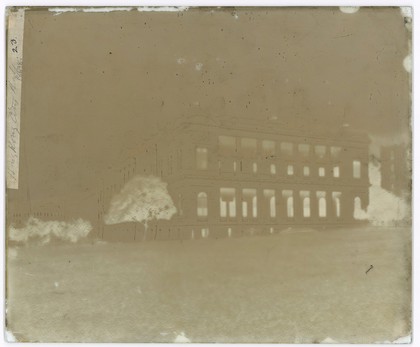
(288, 197)
(322, 203)
(336, 198)
(202, 210)
(322, 207)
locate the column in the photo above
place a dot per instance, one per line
(331, 211)
(314, 206)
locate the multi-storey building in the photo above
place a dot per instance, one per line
(230, 177)
(395, 169)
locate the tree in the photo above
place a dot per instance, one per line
(142, 199)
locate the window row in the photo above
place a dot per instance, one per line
(249, 206)
(229, 145)
(202, 164)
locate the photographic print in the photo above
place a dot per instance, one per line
(208, 174)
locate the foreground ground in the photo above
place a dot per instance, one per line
(297, 286)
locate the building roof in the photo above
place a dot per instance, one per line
(274, 126)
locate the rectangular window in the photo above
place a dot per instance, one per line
(306, 171)
(356, 169)
(244, 208)
(227, 145)
(268, 148)
(254, 167)
(320, 151)
(290, 170)
(303, 149)
(269, 194)
(201, 158)
(249, 147)
(336, 171)
(223, 208)
(249, 202)
(273, 169)
(227, 202)
(335, 151)
(202, 210)
(321, 172)
(286, 148)
(205, 233)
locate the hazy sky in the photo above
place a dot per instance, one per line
(96, 84)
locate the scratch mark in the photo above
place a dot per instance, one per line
(338, 37)
(370, 268)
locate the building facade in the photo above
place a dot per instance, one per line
(395, 175)
(235, 177)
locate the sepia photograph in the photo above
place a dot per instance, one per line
(208, 174)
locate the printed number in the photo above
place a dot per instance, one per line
(14, 43)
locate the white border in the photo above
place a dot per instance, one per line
(195, 3)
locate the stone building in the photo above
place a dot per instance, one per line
(230, 177)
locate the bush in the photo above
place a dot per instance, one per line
(45, 231)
